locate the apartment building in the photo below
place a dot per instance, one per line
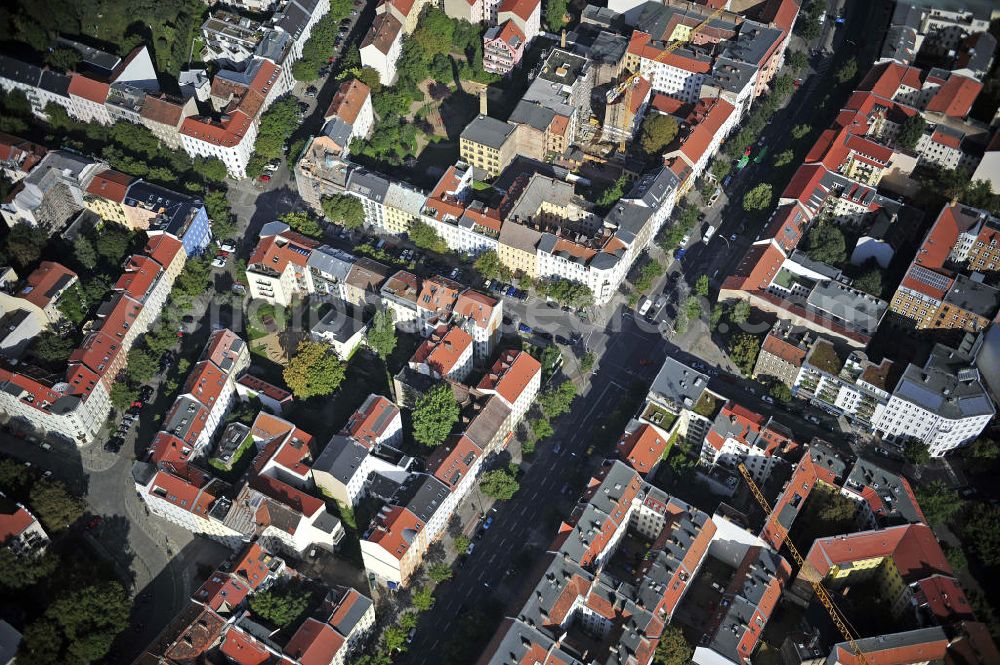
(52, 192)
(76, 407)
(781, 355)
(943, 404)
(848, 385)
(105, 196)
(503, 48)
(488, 145)
(278, 269)
(445, 354)
(515, 378)
(350, 111)
(40, 292)
(230, 37)
(741, 436)
(944, 287)
(382, 45)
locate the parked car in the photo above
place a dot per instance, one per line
(470, 548)
(227, 246)
(644, 306)
(768, 399)
(218, 262)
(312, 91)
(488, 523)
(265, 178)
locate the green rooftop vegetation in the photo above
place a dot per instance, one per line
(707, 406)
(824, 357)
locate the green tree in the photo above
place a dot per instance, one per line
(422, 599)
(41, 644)
(740, 312)
(14, 482)
(394, 638)
(673, 648)
(439, 572)
(742, 350)
(425, 237)
(24, 244)
(304, 223)
(113, 242)
(555, 14)
(587, 361)
(123, 394)
(541, 428)
(53, 348)
(981, 530)
(142, 365)
(217, 207)
(837, 512)
(65, 59)
(382, 333)
(490, 266)
(19, 572)
(870, 281)
(809, 29)
(612, 193)
(276, 126)
(780, 392)
(462, 543)
(656, 133)
(910, 131)
(758, 198)
(796, 60)
(345, 210)
(784, 157)
(848, 70)
(826, 243)
(435, 33)
(499, 484)
(701, 286)
(984, 448)
(916, 452)
(435, 413)
(211, 169)
(567, 292)
(556, 401)
(54, 505)
(314, 370)
(84, 252)
(280, 605)
(938, 502)
(801, 130)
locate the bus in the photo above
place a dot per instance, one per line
(760, 155)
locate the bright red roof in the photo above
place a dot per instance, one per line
(45, 283)
(642, 448)
(163, 248)
(522, 8)
(13, 523)
(511, 374)
(140, 274)
(956, 96)
(452, 461)
(284, 493)
(110, 184)
(314, 643)
(88, 88)
(244, 649)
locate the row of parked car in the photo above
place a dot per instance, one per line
(496, 286)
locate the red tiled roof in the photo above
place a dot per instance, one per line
(117, 322)
(522, 8)
(885, 79)
(947, 139)
(367, 425)
(252, 566)
(243, 649)
(227, 133)
(956, 96)
(511, 374)
(384, 32)
(944, 597)
(669, 105)
(163, 248)
(912, 547)
(162, 110)
(13, 523)
(43, 281)
(205, 383)
(182, 493)
(757, 268)
(642, 448)
(395, 531)
(510, 35)
(452, 461)
(140, 274)
(97, 351)
(110, 184)
(314, 643)
(88, 88)
(284, 493)
(261, 386)
(24, 154)
(475, 306)
(443, 349)
(271, 253)
(168, 448)
(786, 351)
(348, 101)
(709, 116)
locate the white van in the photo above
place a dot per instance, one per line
(644, 307)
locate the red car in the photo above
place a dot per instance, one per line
(265, 178)
(137, 405)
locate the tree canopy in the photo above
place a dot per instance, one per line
(555, 14)
(742, 350)
(938, 502)
(499, 484)
(425, 237)
(870, 281)
(490, 266)
(556, 401)
(673, 648)
(344, 209)
(314, 370)
(567, 292)
(382, 333)
(304, 223)
(435, 413)
(54, 505)
(280, 605)
(758, 198)
(825, 242)
(916, 452)
(910, 131)
(981, 529)
(277, 124)
(656, 133)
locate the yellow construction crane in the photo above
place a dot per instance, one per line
(814, 580)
